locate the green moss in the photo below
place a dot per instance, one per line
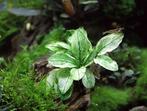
(22, 94)
(127, 55)
(141, 86)
(138, 59)
(19, 90)
(108, 99)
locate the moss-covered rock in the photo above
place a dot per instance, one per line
(18, 89)
(141, 86)
(108, 99)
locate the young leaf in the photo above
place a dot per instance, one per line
(62, 60)
(106, 62)
(88, 80)
(77, 74)
(80, 45)
(89, 59)
(64, 80)
(57, 46)
(109, 43)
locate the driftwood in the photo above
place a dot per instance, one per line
(33, 27)
(80, 103)
(41, 67)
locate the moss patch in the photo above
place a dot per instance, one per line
(19, 90)
(141, 86)
(108, 99)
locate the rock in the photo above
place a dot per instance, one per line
(139, 108)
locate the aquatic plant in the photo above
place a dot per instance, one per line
(72, 60)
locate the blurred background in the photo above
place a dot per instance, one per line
(26, 26)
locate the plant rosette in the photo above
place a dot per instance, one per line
(73, 58)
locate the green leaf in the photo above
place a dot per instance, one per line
(109, 43)
(77, 74)
(62, 60)
(64, 80)
(67, 95)
(52, 79)
(57, 46)
(80, 45)
(1, 60)
(106, 44)
(88, 80)
(106, 62)
(60, 80)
